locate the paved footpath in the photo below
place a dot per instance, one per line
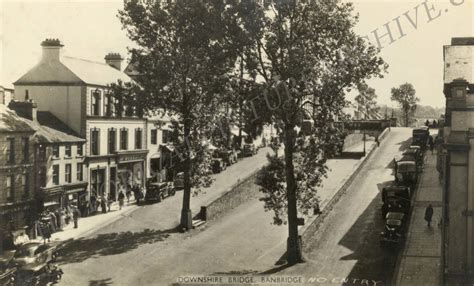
(421, 259)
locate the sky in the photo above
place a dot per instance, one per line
(91, 29)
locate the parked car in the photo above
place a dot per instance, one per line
(178, 182)
(218, 165)
(249, 150)
(7, 274)
(394, 230)
(420, 137)
(33, 256)
(406, 173)
(395, 199)
(158, 191)
(48, 275)
(229, 156)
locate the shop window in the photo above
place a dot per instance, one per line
(112, 140)
(25, 145)
(95, 141)
(95, 102)
(138, 138)
(55, 151)
(154, 135)
(124, 139)
(79, 172)
(10, 150)
(11, 187)
(97, 182)
(80, 149)
(56, 174)
(67, 173)
(67, 150)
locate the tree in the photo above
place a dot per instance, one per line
(366, 100)
(404, 95)
(184, 53)
(308, 56)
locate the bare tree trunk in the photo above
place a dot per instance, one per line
(186, 215)
(293, 244)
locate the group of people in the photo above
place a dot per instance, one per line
(433, 125)
(127, 193)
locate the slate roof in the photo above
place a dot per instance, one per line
(72, 71)
(48, 128)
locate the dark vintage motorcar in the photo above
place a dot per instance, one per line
(406, 173)
(7, 274)
(249, 150)
(394, 229)
(395, 199)
(415, 152)
(229, 156)
(420, 137)
(158, 191)
(33, 256)
(218, 165)
(178, 182)
(48, 275)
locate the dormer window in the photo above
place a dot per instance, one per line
(95, 102)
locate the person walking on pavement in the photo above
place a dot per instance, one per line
(109, 202)
(121, 198)
(75, 216)
(429, 214)
(128, 193)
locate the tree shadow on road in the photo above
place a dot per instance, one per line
(404, 145)
(110, 244)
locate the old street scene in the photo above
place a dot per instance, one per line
(214, 142)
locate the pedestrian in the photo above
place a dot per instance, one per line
(431, 143)
(75, 216)
(103, 204)
(121, 197)
(109, 202)
(429, 214)
(128, 193)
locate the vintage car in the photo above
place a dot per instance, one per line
(158, 191)
(178, 182)
(406, 173)
(420, 137)
(34, 256)
(416, 153)
(229, 156)
(8, 274)
(249, 150)
(395, 199)
(218, 165)
(394, 230)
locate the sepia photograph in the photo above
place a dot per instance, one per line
(237, 142)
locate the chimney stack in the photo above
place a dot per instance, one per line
(51, 48)
(114, 60)
(26, 109)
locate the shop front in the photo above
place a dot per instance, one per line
(131, 169)
(15, 219)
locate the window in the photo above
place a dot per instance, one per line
(95, 102)
(79, 173)
(55, 151)
(97, 182)
(107, 105)
(25, 146)
(11, 187)
(124, 139)
(67, 151)
(166, 136)
(42, 152)
(42, 177)
(25, 182)
(460, 93)
(67, 173)
(95, 141)
(112, 140)
(80, 149)
(138, 138)
(56, 174)
(154, 135)
(10, 150)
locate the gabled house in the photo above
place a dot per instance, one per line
(76, 92)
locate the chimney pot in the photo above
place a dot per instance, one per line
(114, 60)
(51, 48)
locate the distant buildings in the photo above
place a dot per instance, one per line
(458, 157)
(6, 95)
(76, 92)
